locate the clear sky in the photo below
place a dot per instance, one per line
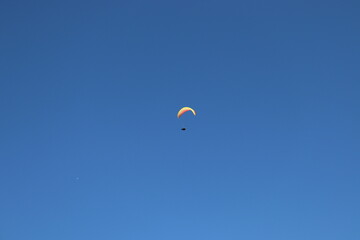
(90, 146)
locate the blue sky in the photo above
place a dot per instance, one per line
(90, 146)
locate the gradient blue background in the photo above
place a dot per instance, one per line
(90, 146)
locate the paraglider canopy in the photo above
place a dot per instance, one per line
(184, 110)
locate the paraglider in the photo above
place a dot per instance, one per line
(184, 110)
